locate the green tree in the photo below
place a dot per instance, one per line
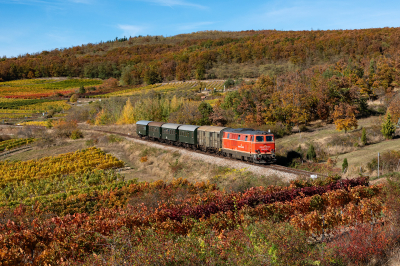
(364, 136)
(206, 110)
(388, 128)
(229, 83)
(345, 165)
(152, 75)
(82, 90)
(311, 154)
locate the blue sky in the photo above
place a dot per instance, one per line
(28, 26)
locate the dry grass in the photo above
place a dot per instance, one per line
(125, 129)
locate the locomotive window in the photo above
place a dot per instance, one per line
(228, 135)
(245, 139)
(269, 138)
(238, 137)
(252, 138)
(259, 138)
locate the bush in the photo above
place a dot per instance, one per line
(345, 165)
(362, 244)
(311, 155)
(364, 137)
(76, 134)
(74, 98)
(64, 129)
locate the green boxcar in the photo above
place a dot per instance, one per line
(188, 134)
(155, 129)
(142, 127)
(170, 131)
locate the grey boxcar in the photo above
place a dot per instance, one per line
(210, 138)
(142, 127)
(155, 129)
(170, 131)
(188, 134)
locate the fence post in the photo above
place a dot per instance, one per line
(378, 164)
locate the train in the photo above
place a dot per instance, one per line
(245, 144)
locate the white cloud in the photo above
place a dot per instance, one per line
(130, 30)
(172, 3)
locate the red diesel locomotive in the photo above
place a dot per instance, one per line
(249, 145)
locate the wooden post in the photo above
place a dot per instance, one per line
(378, 164)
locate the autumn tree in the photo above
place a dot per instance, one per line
(187, 114)
(127, 115)
(111, 83)
(394, 109)
(344, 117)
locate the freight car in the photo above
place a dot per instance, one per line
(241, 143)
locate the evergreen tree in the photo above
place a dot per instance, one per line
(345, 165)
(206, 110)
(82, 90)
(364, 136)
(311, 155)
(388, 128)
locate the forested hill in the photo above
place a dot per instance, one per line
(208, 55)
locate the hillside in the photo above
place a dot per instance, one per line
(79, 187)
(205, 55)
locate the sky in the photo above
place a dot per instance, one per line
(30, 26)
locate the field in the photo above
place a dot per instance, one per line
(28, 99)
(166, 87)
(14, 143)
(39, 88)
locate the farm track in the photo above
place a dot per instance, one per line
(26, 148)
(278, 168)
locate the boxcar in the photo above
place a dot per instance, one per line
(188, 135)
(170, 132)
(142, 127)
(155, 130)
(209, 138)
(249, 145)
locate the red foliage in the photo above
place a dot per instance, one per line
(363, 243)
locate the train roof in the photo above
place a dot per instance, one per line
(143, 122)
(156, 124)
(188, 127)
(247, 131)
(171, 125)
(211, 129)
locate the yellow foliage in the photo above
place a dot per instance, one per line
(344, 118)
(101, 118)
(128, 115)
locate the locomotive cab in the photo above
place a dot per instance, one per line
(263, 148)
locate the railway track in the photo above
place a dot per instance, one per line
(275, 167)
